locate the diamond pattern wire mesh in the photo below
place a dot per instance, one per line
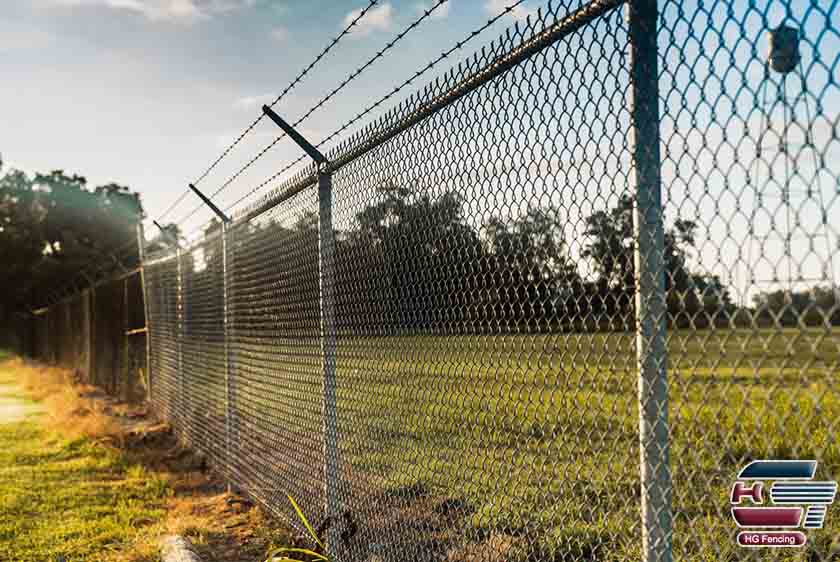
(506, 271)
(749, 156)
(203, 347)
(275, 323)
(161, 280)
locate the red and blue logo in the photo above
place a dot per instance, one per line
(796, 501)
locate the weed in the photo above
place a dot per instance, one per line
(285, 553)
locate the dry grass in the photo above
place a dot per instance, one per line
(223, 526)
(76, 410)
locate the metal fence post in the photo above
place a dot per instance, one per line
(179, 373)
(141, 253)
(651, 309)
(326, 261)
(227, 289)
(326, 277)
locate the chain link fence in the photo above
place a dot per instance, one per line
(98, 333)
(546, 308)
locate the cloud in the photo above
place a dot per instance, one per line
(376, 19)
(496, 7)
(23, 39)
(179, 11)
(250, 102)
(279, 33)
(441, 12)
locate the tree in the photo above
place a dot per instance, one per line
(693, 298)
(816, 306)
(419, 256)
(52, 227)
(165, 240)
(532, 281)
(21, 242)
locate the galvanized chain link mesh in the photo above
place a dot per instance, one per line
(162, 302)
(275, 320)
(567, 307)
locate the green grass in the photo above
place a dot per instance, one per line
(536, 438)
(69, 497)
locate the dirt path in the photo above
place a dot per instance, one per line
(13, 407)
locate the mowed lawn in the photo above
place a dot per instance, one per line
(534, 440)
(525, 445)
(67, 499)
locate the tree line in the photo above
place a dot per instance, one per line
(409, 261)
(413, 262)
(54, 227)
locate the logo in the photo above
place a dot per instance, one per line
(796, 501)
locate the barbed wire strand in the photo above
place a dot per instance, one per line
(352, 76)
(445, 54)
(288, 88)
(95, 265)
(172, 207)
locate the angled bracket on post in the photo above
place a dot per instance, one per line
(326, 274)
(313, 152)
(167, 234)
(214, 208)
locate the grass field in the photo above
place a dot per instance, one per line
(68, 497)
(526, 448)
(86, 478)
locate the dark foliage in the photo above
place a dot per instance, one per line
(53, 228)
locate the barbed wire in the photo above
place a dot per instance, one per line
(288, 88)
(352, 76)
(172, 207)
(443, 55)
(268, 180)
(90, 273)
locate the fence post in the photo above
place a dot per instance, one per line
(179, 373)
(93, 340)
(651, 310)
(326, 278)
(141, 254)
(326, 262)
(227, 294)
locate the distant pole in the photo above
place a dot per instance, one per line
(206, 200)
(651, 309)
(326, 276)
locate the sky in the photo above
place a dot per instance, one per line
(148, 93)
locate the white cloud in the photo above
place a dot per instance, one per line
(279, 33)
(376, 19)
(182, 11)
(251, 102)
(441, 12)
(23, 39)
(496, 7)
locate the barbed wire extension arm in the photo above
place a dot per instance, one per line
(350, 78)
(397, 89)
(347, 29)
